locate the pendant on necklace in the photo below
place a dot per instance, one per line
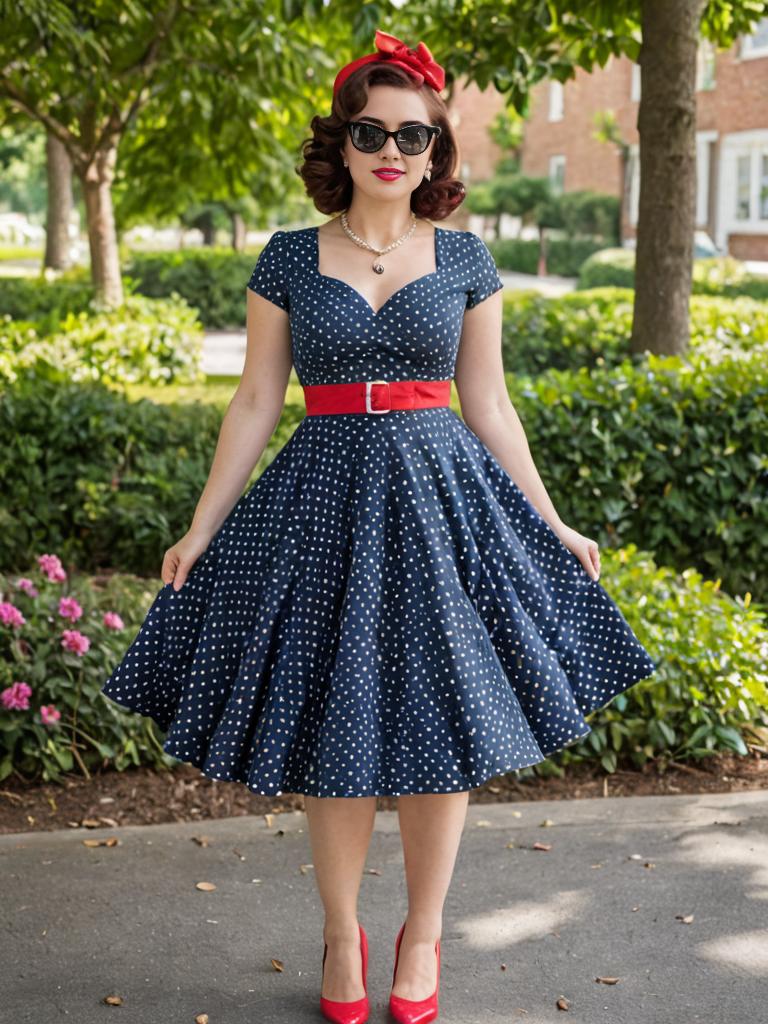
(378, 268)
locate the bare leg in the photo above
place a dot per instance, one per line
(340, 833)
(431, 826)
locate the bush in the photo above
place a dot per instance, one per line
(716, 275)
(671, 454)
(710, 692)
(564, 256)
(213, 280)
(154, 340)
(104, 481)
(42, 301)
(707, 694)
(591, 328)
(60, 637)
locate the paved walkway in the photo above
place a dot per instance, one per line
(224, 351)
(522, 927)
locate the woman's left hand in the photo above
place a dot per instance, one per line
(585, 549)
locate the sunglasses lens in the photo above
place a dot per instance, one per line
(413, 139)
(367, 137)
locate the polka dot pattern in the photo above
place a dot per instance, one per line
(383, 611)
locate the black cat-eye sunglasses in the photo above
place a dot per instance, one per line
(411, 139)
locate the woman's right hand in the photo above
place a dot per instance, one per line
(179, 559)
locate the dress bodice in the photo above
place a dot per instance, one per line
(337, 336)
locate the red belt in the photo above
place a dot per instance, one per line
(376, 396)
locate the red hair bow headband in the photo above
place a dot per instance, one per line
(419, 63)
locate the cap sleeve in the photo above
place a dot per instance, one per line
(270, 275)
(484, 278)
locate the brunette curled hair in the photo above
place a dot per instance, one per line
(328, 182)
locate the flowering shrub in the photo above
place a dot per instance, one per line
(58, 641)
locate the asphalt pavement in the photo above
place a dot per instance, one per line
(664, 898)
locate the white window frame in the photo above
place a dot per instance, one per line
(634, 87)
(556, 100)
(751, 50)
(706, 53)
(555, 162)
(754, 145)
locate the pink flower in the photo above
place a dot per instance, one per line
(74, 641)
(69, 608)
(52, 567)
(26, 584)
(16, 697)
(113, 621)
(49, 714)
(10, 614)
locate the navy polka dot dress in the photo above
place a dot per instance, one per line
(383, 611)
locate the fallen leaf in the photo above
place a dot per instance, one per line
(270, 820)
(562, 1003)
(201, 1018)
(372, 871)
(483, 823)
(91, 823)
(686, 919)
(304, 868)
(202, 840)
(607, 980)
(205, 886)
(238, 854)
(106, 841)
(542, 846)
(110, 822)
(547, 823)
(277, 964)
(113, 1000)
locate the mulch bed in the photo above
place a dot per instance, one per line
(143, 796)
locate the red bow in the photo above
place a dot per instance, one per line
(419, 63)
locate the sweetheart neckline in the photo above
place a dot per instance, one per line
(394, 295)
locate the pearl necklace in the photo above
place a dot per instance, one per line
(377, 267)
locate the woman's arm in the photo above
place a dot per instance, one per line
(248, 424)
(488, 412)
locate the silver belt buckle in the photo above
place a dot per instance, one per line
(368, 407)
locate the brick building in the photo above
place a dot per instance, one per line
(731, 139)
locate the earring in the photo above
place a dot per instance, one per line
(428, 173)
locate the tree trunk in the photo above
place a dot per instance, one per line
(667, 125)
(102, 238)
(541, 269)
(238, 231)
(59, 177)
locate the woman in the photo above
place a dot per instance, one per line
(394, 607)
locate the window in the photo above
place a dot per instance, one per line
(763, 194)
(557, 173)
(556, 100)
(634, 93)
(743, 167)
(705, 65)
(756, 44)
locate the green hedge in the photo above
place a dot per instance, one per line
(44, 302)
(590, 328)
(708, 694)
(213, 280)
(671, 454)
(718, 275)
(158, 341)
(565, 256)
(105, 481)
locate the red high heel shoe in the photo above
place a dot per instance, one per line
(413, 1011)
(355, 1011)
